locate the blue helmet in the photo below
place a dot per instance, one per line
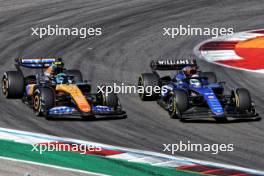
(195, 82)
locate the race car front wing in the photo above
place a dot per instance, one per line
(205, 112)
(97, 110)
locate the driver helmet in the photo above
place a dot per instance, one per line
(61, 78)
(189, 71)
(195, 82)
(57, 66)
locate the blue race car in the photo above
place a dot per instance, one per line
(191, 93)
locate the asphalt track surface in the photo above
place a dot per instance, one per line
(132, 36)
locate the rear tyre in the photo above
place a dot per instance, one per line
(177, 104)
(147, 80)
(13, 84)
(43, 100)
(242, 99)
(77, 75)
(211, 77)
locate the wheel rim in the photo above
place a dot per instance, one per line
(5, 87)
(36, 103)
(172, 108)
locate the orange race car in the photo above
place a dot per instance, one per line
(56, 91)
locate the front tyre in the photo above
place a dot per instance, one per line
(242, 99)
(43, 100)
(111, 100)
(146, 81)
(107, 99)
(177, 104)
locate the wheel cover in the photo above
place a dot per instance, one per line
(36, 102)
(237, 101)
(172, 106)
(5, 86)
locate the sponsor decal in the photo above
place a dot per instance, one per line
(211, 97)
(175, 62)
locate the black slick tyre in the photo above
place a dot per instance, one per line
(147, 80)
(43, 100)
(177, 104)
(13, 84)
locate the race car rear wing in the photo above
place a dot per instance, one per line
(35, 62)
(172, 64)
